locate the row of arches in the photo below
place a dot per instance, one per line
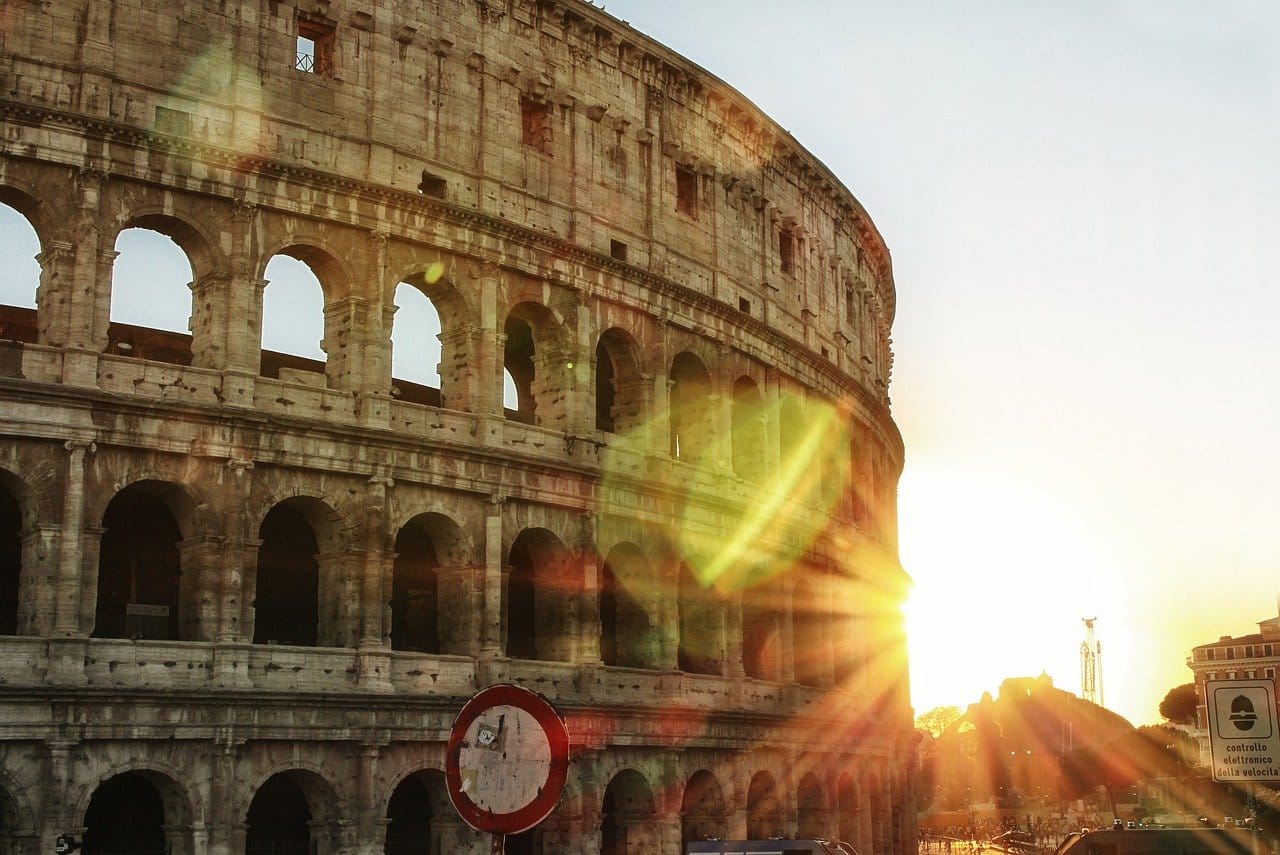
(154, 569)
(416, 342)
(298, 811)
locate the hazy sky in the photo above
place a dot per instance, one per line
(1083, 205)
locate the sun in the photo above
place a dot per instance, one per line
(1003, 573)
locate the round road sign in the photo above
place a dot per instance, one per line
(507, 761)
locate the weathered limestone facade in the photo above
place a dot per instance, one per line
(244, 598)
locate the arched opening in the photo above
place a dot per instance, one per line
(849, 655)
(419, 816)
(690, 409)
(790, 428)
(764, 808)
(10, 560)
(286, 604)
(702, 809)
(701, 620)
(415, 592)
(284, 816)
(874, 813)
(627, 633)
(847, 806)
(139, 565)
(526, 843)
(619, 388)
(151, 294)
(293, 322)
(543, 588)
(809, 647)
(517, 361)
(811, 813)
(747, 436)
(627, 816)
(20, 277)
(415, 347)
(761, 634)
(126, 814)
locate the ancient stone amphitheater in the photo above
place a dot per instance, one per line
(244, 592)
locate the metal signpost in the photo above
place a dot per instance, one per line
(1244, 736)
(507, 761)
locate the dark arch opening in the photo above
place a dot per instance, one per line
(702, 808)
(279, 819)
(517, 359)
(542, 595)
(847, 800)
(286, 605)
(764, 811)
(809, 646)
(415, 592)
(606, 389)
(701, 649)
(626, 633)
(139, 568)
(125, 815)
(761, 634)
(810, 808)
(10, 561)
(626, 814)
(417, 814)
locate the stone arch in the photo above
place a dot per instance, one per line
(629, 595)
(543, 587)
(620, 393)
(627, 815)
(848, 808)
(809, 642)
(27, 200)
(703, 808)
(747, 429)
(17, 820)
(428, 591)
(764, 808)
(420, 818)
(299, 589)
(295, 809)
(700, 618)
(691, 408)
(138, 808)
(811, 807)
(791, 426)
(148, 583)
(762, 612)
(16, 565)
(875, 813)
(20, 285)
(334, 278)
(537, 361)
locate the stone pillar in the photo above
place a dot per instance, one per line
(787, 663)
(370, 822)
(770, 432)
(633, 416)
(53, 296)
(555, 388)
(460, 613)
(226, 831)
(339, 597)
(589, 624)
(494, 581)
(67, 606)
(374, 569)
(241, 331)
(660, 433)
(829, 610)
(57, 783)
(346, 324)
(465, 354)
(198, 587)
(37, 600)
(668, 614)
(732, 623)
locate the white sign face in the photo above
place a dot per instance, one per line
(505, 760)
(1244, 738)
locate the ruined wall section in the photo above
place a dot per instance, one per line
(438, 88)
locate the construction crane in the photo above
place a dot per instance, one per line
(1091, 664)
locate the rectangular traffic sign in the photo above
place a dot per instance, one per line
(1244, 737)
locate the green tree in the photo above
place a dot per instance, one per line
(938, 719)
(1179, 705)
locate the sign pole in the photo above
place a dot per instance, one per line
(499, 844)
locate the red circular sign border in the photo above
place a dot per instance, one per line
(557, 739)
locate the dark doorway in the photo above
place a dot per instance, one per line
(415, 808)
(10, 562)
(138, 568)
(415, 592)
(286, 605)
(125, 817)
(278, 819)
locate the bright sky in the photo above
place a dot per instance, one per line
(1083, 205)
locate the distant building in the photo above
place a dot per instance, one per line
(1248, 657)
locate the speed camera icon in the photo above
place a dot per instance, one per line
(1242, 712)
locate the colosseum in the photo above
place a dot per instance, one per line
(245, 591)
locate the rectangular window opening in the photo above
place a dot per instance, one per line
(432, 185)
(786, 250)
(686, 191)
(535, 125)
(744, 305)
(618, 250)
(314, 48)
